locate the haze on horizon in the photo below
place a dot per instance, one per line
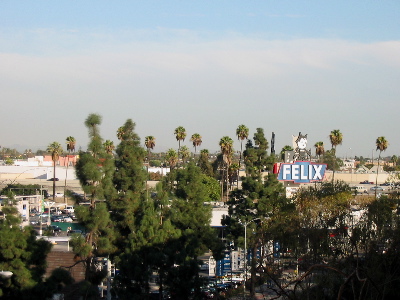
(209, 66)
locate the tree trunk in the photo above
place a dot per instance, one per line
(253, 271)
(54, 182)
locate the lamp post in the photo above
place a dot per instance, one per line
(245, 252)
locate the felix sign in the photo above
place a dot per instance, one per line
(301, 172)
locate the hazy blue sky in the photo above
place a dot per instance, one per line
(284, 66)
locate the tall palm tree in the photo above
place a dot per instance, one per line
(109, 146)
(71, 142)
(319, 149)
(233, 174)
(242, 132)
(150, 142)
(92, 122)
(180, 135)
(55, 150)
(120, 133)
(196, 139)
(336, 138)
(226, 145)
(185, 154)
(171, 157)
(381, 145)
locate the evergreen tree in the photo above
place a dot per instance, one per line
(252, 206)
(21, 254)
(204, 163)
(129, 179)
(95, 171)
(192, 218)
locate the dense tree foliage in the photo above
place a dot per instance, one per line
(21, 254)
(95, 172)
(342, 246)
(253, 205)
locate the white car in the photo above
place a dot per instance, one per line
(68, 210)
(67, 219)
(57, 195)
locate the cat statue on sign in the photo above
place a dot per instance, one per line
(300, 152)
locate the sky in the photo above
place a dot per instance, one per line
(209, 66)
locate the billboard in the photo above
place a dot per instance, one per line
(301, 172)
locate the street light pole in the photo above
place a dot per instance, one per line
(245, 259)
(245, 253)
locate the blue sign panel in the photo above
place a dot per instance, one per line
(301, 172)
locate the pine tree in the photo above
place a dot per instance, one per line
(192, 218)
(20, 253)
(253, 204)
(129, 179)
(204, 163)
(94, 170)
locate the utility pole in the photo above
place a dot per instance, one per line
(245, 253)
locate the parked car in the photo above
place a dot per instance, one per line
(72, 216)
(53, 179)
(67, 219)
(68, 209)
(57, 219)
(376, 188)
(366, 182)
(57, 195)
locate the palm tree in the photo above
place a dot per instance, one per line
(109, 146)
(319, 149)
(120, 133)
(196, 139)
(55, 150)
(185, 153)
(242, 132)
(180, 135)
(71, 142)
(171, 157)
(150, 142)
(226, 145)
(381, 145)
(233, 174)
(205, 152)
(92, 122)
(394, 160)
(336, 138)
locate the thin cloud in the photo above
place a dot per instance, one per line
(207, 86)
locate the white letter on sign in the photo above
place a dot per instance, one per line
(295, 172)
(286, 171)
(317, 169)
